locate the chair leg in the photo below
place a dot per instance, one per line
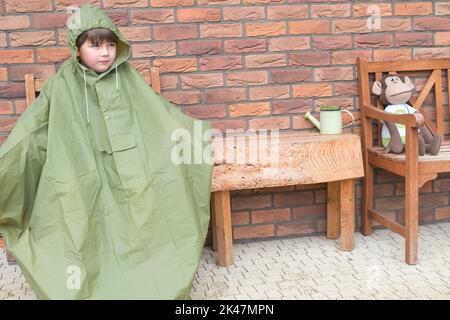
(347, 214)
(367, 201)
(411, 220)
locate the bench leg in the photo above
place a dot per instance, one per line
(213, 224)
(347, 208)
(223, 232)
(333, 210)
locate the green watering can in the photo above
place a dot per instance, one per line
(330, 120)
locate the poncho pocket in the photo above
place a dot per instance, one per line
(128, 162)
(123, 142)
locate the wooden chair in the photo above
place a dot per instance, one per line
(415, 170)
(33, 87)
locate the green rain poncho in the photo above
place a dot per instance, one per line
(92, 203)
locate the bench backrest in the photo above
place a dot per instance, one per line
(437, 71)
(33, 86)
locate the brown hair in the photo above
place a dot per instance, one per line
(96, 36)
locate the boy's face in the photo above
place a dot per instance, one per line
(98, 57)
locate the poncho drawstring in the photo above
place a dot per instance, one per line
(117, 82)
(86, 96)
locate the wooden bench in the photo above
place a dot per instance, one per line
(304, 158)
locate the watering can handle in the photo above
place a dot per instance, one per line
(351, 115)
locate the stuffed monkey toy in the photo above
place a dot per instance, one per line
(394, 95)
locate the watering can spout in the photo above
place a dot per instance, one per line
(311, 118)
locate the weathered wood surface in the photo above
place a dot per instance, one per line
(304, 158)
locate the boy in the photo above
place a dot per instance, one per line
(91, 205)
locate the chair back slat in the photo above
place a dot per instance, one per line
(30, 88)
(155, 81)
(407, 65)
(438, 98)
(425, 90)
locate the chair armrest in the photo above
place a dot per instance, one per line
(414, 120)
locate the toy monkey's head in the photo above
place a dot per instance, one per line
(392, 90)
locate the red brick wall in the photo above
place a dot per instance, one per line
(245, 64)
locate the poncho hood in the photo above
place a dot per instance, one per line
(87, 18)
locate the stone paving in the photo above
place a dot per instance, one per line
(310, 268)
